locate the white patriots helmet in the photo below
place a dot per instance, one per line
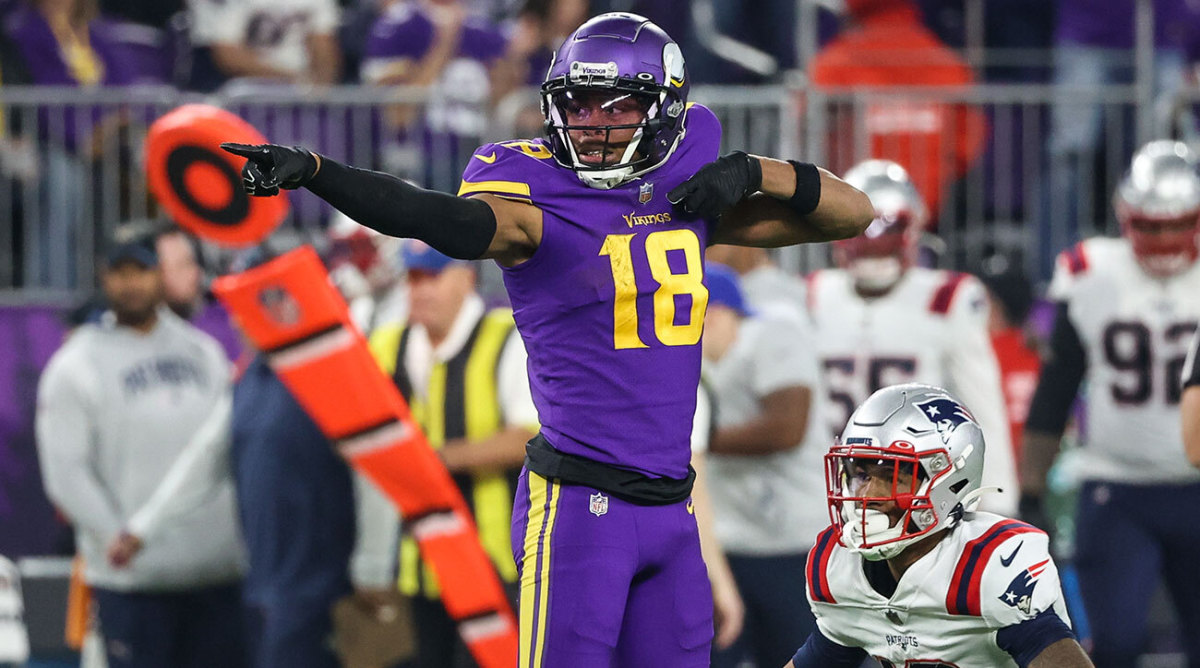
(879, 256)
(921, 429)
(1158, 206)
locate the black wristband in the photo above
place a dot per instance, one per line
(808, 188)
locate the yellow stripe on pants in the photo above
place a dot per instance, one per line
(535, 573)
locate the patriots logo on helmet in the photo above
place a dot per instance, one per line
(946, 414)
(1020, 591)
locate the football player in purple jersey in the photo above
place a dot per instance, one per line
(600, 228)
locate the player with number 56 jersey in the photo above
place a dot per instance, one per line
(880, 320)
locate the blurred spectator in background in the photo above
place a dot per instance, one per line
(125, 409)
(540, 26)
(289, 41)
(886, 47)
(533, 36)
(729, 611)
(465, 62)
(65, 43)
(883, 321)
(366, 268)
(1126, 310)
(184, 289)
(296, 504)
(765, 465)
(1011, 298)
(1093, 48)
(766, 285)
(155, 13)
(14, 638)
(461, 368)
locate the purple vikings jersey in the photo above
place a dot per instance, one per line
(611, 305)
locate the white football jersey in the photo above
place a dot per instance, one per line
(1135, 331)
(276, 30)
(930, 328)
(988, 573)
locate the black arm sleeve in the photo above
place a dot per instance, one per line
(1062, 373)
(1191, 370)
(460, 228)
(821, 652)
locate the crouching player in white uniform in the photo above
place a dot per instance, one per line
(908, 573)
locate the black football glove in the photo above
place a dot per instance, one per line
(719, 185)
(270, 167)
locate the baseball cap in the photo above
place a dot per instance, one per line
(725, 288)
(420, 256)
(141, 252)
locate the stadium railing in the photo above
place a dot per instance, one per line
(71, 159)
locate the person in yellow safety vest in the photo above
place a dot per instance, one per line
(461, 367)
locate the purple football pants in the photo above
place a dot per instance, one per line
(607, 583)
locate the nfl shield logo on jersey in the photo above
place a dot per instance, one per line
(645, 192)
(599, 504)
(1020, 591)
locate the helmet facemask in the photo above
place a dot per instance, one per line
(576, 123)
(1158, 205)
(878, 258)
(619, 59)
(879, 498)
(1163, 246)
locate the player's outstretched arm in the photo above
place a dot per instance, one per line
(1063, 371)
(764, 202)
(1065, 653)
(465, 229)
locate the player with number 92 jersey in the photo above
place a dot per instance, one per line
(1134, 330)
(1126, 311)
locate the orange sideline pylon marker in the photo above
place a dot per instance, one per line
(289, 308)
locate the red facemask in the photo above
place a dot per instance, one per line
(1163, 246)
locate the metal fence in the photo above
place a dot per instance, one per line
(1031, 182)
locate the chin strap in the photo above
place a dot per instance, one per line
(971, 500)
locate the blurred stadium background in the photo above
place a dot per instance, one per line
(1016, 117)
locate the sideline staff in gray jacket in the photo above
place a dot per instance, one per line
(118, 405)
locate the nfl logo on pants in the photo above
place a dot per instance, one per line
(599, 504)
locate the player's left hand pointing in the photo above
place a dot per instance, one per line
(719, 185)
(270, 167)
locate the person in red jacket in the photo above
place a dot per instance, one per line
(1011, 301)
(886, 46)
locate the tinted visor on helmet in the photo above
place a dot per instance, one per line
(602, 127)
(887, 480)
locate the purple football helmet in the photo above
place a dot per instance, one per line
(626, 62)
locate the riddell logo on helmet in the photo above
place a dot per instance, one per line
(581, 70)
